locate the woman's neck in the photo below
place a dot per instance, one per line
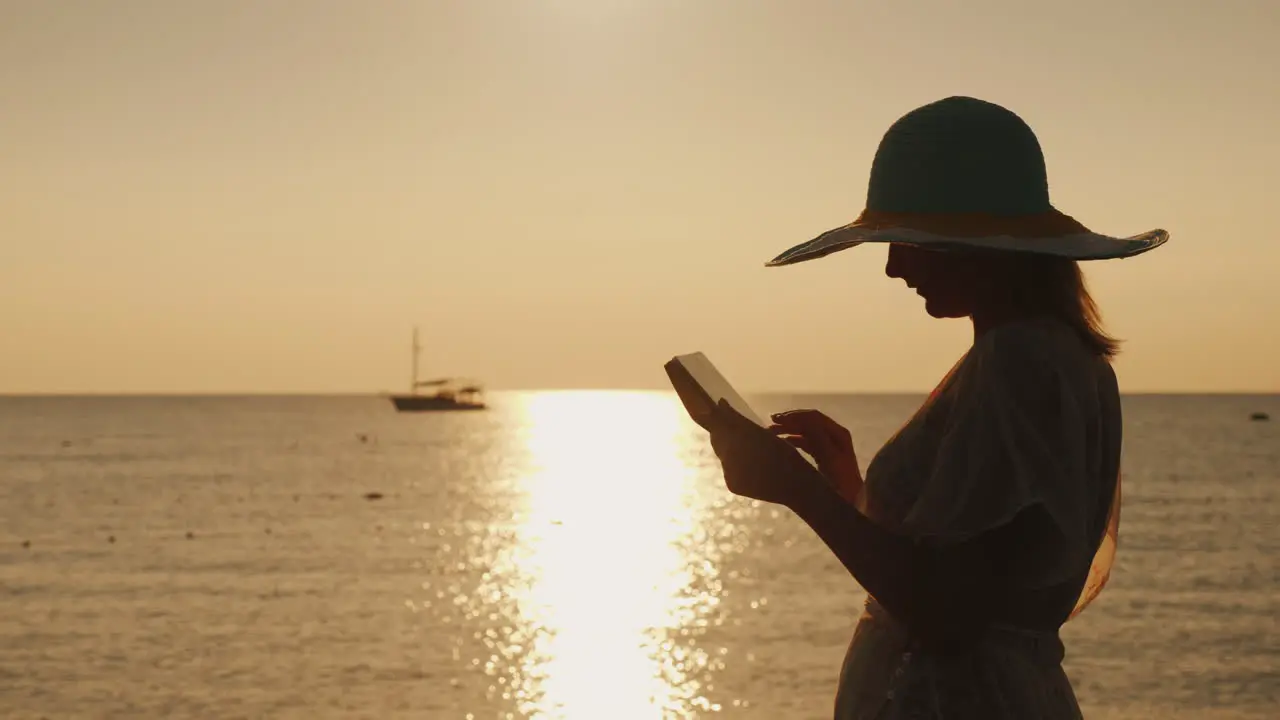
(989, 318)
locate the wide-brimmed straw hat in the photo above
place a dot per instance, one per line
(963, 173)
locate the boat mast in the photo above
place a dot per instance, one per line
(413, 383)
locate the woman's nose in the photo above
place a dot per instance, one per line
(893, 266)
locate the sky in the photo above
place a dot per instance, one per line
(249, 196)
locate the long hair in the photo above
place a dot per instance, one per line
(1056, 287)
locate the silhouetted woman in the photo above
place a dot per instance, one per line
(989, 519)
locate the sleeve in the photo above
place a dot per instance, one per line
(1016, 437)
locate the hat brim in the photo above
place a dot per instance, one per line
(1075, 246)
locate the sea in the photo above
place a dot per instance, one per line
(568, 555)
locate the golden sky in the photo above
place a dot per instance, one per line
(266, 196)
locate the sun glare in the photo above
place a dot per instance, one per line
(605, 580)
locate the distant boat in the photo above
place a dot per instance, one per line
(445, 393)
(1259, 416)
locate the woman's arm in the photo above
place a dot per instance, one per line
(946, 595)
(1004, 452)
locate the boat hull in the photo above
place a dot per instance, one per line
(427, 403)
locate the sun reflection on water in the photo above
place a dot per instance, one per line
(607, 573)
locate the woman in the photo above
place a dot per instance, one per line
(989, 519)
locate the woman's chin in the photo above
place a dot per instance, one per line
(942, 311)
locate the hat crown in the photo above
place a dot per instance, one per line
(959, 155)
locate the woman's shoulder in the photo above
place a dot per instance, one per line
(1029, 335)
(1036, 344)
(1040, 357)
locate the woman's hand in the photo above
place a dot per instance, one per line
(828, 443)
(757, 463)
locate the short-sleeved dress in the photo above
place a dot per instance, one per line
(1029, 416)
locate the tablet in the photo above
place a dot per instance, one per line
(701, 387)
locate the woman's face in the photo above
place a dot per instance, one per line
(949, 282)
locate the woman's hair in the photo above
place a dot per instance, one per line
(1056, 287)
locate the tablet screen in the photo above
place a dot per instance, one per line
(701, 387)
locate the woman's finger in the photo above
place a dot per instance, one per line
(781, 430)
(800, 425)
(799, 442)
(800, 420)
(793, 412)
(834, 430)
(789, 415)
(729, 416)
(721, 421)
(813, 423)
(720, 444)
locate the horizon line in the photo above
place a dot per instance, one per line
(387, 394)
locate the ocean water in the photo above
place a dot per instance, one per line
(564, 555)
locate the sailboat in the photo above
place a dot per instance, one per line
(444, 394)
